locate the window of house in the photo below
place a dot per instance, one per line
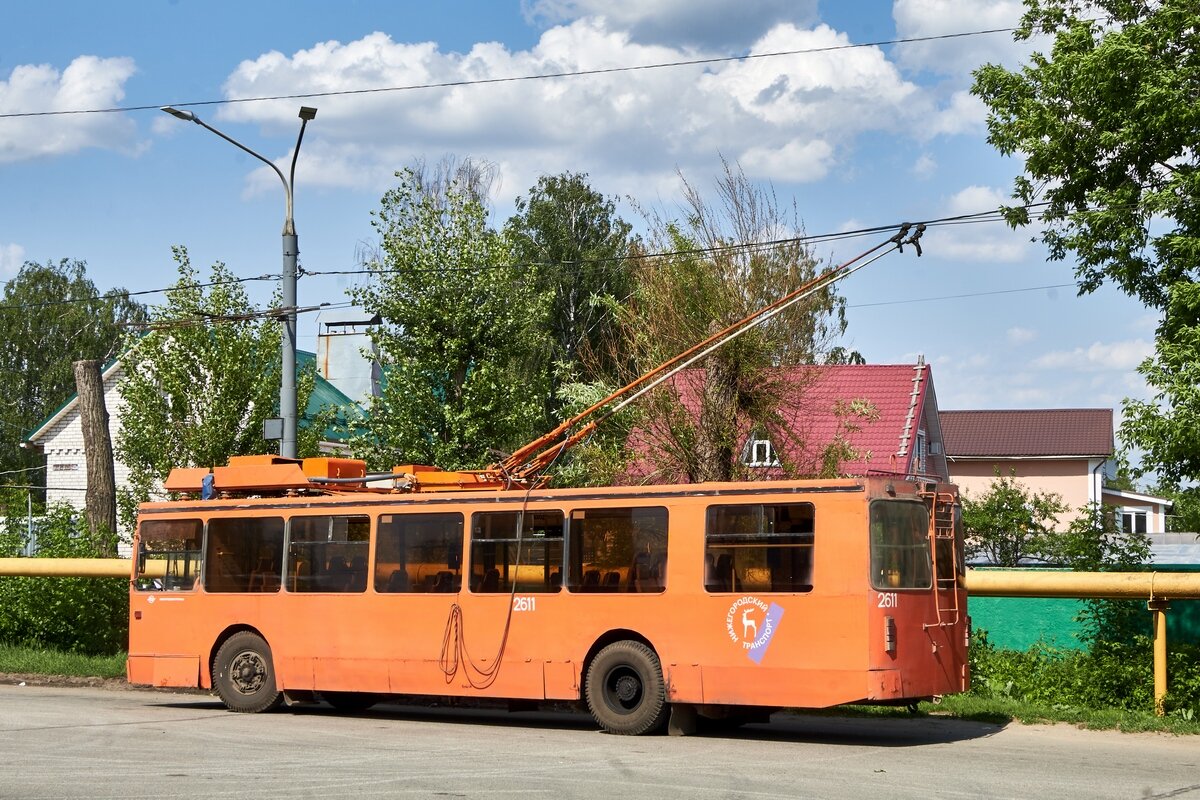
(1133, 521)
(618, 550)
(244, 554)
(920, 452)
(328, 553)
(502, 559)
(759, 452)
(419, 553)
(759, 547)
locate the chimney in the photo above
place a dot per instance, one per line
(346, 354)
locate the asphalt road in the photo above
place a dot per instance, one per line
(60, 742)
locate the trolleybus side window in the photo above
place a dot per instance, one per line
(169, 554)
(418, 553)
(498, 557)
(244, 554)
(900, 557)
(328, 554)
(759, 547)
(618, 550)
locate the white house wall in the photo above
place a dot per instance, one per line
(62, 444)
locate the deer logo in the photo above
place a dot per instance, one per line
(749, 625)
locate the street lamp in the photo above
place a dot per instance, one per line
(291, 248)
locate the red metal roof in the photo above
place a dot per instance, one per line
(816, 410)
(1040, 432)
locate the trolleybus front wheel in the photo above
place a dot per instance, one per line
(625, 690)
(244, 675)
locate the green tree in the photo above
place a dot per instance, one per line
(198, 385)
(1010, 524)
(1167, 426)
(1106, 125)
(706, 281)
(1094, 542)
(51, 315)
(461, 333)
(574, 246)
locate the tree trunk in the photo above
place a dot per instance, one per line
(101, 498)
(718, 420)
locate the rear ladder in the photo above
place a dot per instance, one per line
(942, 507)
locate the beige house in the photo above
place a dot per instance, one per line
(1064, 451)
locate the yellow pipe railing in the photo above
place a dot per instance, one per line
(76, 567)
(1103, 585)
(1156, 588)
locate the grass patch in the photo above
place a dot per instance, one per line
(34, 661)
(1001, 710)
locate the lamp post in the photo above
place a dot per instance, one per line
(291, 248)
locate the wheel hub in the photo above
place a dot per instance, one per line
(247, 673)
(627, 688)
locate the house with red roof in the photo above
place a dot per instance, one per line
(874, 418)
(1064, 451)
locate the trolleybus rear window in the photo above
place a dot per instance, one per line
(328, 554)
(419, 553)
(900, 557)
(244, 555)
(498, 556)
(618, 550)
(759, 547)
(169, 554)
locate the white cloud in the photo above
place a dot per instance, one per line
(957, 57)
(12, 256)
(1019, 335)
(965, 113)
(925, 166)
(88, 82)
(983, 241)
(1122, 356)
(711, 23)
(795, 161)
(789, 118)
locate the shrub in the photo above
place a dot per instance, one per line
(1110, 675)
(80, 615)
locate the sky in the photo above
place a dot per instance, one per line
(853, 137)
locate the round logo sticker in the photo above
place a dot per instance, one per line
(751, 622)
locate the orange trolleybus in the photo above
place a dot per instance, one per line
(276, 579)
(637, 600)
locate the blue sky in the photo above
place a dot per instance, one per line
(857, 137)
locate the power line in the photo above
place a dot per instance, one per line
(972, 218)
(820, 238)
(125, 295)
(964, 296)
(511, 79)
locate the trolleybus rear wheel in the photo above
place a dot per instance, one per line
(244, 675)
(625, 690)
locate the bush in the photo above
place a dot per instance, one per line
(78, 615)
(1110, 675)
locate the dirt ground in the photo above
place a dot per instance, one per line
(16, 679)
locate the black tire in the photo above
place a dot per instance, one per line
(244, 674)
(624, 689)
(350, 702)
